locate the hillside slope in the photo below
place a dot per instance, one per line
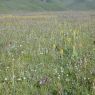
(43, 5)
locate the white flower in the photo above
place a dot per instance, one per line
(35, 70)
(6, 79)
(67, 79)
(41, 53)
(19, 79)
(20, 45)
(24, 78)
(62, 70)
(84, 78)
(7, 67)
(58, 77)
(55, 70)
(22, 52)
(67, 75)
(13, 76)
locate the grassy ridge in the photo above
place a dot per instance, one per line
(47, 54)
(51, 5)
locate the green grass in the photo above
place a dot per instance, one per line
(47, 54)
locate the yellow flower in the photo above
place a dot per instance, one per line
(61, 51)
(54, 46)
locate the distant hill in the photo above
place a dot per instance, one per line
(45, 5)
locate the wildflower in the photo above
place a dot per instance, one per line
(84, 78)
(67, 75)
(19, 79)
(55, 70)
(35, 70)
(41, 82)
(7, 67)
(66, 34)
(67, 79)
(22, 52)
(54, 46)
(58, 77)
(20, 45)
(6, 79)
(62, 70)
(61, 51)
(41, 53)
(88, 78)
(24, 78)
(14, 76)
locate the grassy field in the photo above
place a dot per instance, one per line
(47, 54)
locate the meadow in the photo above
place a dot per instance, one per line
(49, 53)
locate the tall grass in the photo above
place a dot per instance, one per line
(47, 54)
